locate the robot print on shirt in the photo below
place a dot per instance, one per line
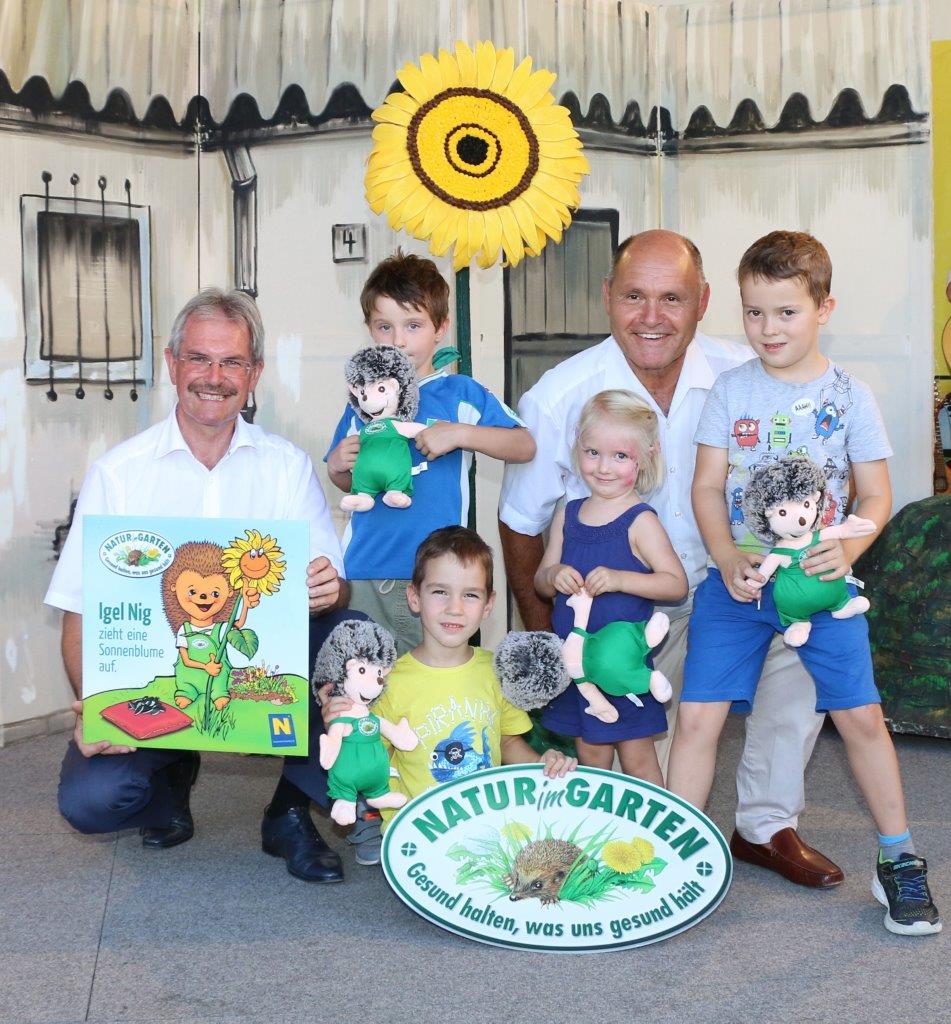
(780, 430)
(456, 756)
(746, 432)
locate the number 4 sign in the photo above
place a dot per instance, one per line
(349, 243)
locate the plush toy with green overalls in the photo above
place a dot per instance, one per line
(534, 668)
(783, 501)
(357, 657)
(384, 393)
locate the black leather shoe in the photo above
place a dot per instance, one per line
(180, 828)
(294, 837)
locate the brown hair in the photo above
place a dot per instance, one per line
(782, 255)
(627, 411)
(412, 281)
(465, 545)
(204, 558)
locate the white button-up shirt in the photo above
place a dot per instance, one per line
(155, 473)
(551, 409)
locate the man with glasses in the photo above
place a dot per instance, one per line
(203, 459)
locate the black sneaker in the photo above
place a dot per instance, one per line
(902, 886)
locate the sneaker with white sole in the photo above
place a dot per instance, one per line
(902, 886)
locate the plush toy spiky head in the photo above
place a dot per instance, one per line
(381, 363)
(352, 638)
(790, 479)
(531, 670)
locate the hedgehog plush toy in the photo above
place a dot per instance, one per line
(534, 668)
(357, 657)
(385, 394)
(783, 504)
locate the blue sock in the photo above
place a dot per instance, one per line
(892, 847)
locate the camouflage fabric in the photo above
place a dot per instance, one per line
(907, 575)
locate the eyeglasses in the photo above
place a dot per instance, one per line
(229, 367)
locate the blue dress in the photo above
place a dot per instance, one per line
(585, 548)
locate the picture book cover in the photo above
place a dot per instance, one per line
(195, 633)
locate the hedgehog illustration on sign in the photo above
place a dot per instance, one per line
(384, 393)
(540, 870)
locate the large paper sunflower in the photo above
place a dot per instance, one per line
(256, 563)
(476, 154)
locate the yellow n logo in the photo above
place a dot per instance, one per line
(282, 730)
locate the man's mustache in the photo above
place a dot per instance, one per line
(208, 389)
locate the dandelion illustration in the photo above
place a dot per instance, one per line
(517, 832)
(621, 857)
(643, 849)
(256, 563)
(476, 154)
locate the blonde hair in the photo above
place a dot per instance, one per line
(626, 410)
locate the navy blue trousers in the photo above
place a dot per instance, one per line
(110, 792)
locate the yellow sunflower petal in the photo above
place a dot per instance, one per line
(431, 72)
(526, 224)
(551, 114)
(536, 87)
(398, 191)
(445, 231)
(435, 213)
(414, 82)
(449, 68)
(493, 235)
(559, 131)
(520, 77)
(485, 64)
(476, 231)
(402, 101)
(545, 216)
(462, 237)
(389, 133)
(465, 58)
(388, 114)
(511, 236)
(504, 69)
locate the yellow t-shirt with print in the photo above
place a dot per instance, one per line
(459, 715)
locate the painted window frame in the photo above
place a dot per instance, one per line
(66, 369)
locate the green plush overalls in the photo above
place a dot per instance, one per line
(798, 596)
(615, 658)
(190, 682)
(384, 462)
(362, 765)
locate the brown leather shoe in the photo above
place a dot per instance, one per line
(789, 856)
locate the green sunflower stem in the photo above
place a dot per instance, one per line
(218, 652)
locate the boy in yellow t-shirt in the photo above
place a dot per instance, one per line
(447, 689)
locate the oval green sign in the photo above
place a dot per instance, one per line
(591, 862)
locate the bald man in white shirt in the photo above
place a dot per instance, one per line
(655, 297)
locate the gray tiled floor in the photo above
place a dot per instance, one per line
(214, 931)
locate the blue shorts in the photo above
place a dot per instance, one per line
(727, 642)
(566, 714)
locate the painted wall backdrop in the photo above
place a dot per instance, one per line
(722, 120)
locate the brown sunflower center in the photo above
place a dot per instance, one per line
(472, 148)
